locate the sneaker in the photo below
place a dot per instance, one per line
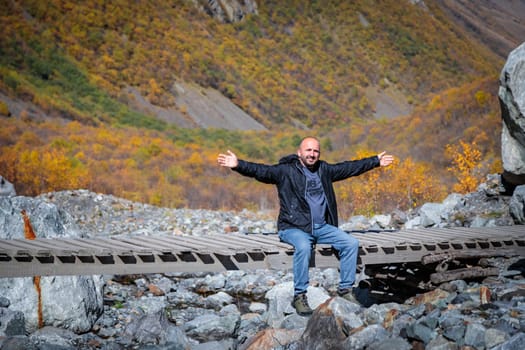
(348, 294)
(300, 304)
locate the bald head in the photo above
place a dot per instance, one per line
(309, 152)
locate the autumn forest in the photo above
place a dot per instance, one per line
(297, 67)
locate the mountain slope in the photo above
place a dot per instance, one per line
(498, 24)
(295, 62)
(99, 97)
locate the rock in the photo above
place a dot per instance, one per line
(382, 220)
(475, 335)
(212, 327)
(431, 214)
(154, 328)
(512, 101)
(229, 11)
(517, 205)
(326, 328)
(494, 337)
(13, 323)
(251, 309)
(272, 339)
(54, 338)
(391, 343)
(6, 188)
(363, 338)
(454, 329)
(517, 342)
(72, 302)
(441, 343)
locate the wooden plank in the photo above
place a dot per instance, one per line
(254, 243)
(118, 248)
(461, 274)
(55, 246)
(147, 242)
(185, 245)
(87, 249)
(26, 247)
(214, 247)
(221, 252)
(233, 243)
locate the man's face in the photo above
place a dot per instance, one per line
(309, 152)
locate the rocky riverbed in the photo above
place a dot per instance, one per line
(251, 309)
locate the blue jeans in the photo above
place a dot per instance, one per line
(346, 245)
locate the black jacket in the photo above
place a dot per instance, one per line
(291, 186)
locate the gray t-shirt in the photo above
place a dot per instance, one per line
(315, 196)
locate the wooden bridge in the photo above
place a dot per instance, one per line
(238, 251)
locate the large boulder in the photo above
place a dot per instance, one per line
(6, 188)
(512, 101)
(70, 302)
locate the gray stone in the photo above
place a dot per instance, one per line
(218, 300)
(375, 314)
(431, 214)
(413, 223)
(294, 321)
(391, 343)
(12, 323)
(148, 304)
(512, 100)
(4, 302)
(401, 325)
(440, 343)
(517, 342)
(475, 335)
(494, 337)
(453, 326)
(259, 308)
(227, 344)
(154, 328)
(355, 223)
(460, 285)
(517, 205)
(381, 220)
(7, 189)
(365, 337)
(479, 222)
(74, 302)
(252, 323)
(418, 330)
(18, 343)
(54, 338)
(451, 201)
(431, 319)
(212, 327)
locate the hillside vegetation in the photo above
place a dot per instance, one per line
(310, 64)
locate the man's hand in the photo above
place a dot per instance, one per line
(385, 159)
(228, 160)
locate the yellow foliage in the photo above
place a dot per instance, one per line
(49, 170)
(466, 165)
(4, 110)
(482, 98)
(405, 184)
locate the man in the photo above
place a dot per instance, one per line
(308, 209)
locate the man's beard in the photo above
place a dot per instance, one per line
(307, 162)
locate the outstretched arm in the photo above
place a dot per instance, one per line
(385, 159)
(228, 160)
